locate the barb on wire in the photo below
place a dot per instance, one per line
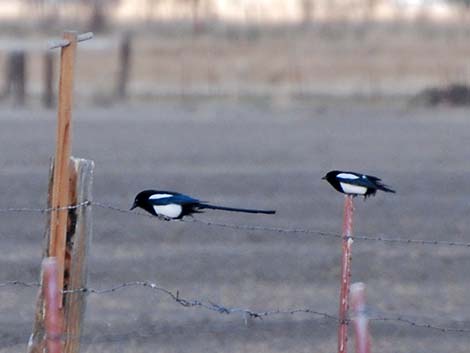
(422, 324)
(319, 233)
(425, 323)
(45, 210)
(221, 309)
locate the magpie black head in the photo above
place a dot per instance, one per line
(142, 198)
(331, 175)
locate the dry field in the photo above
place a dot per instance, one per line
(395, 59)
(256, 153)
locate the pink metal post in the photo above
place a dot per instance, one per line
(345, 274)
(361, 321)
(53, 313)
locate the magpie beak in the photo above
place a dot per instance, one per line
(324, 178)
(134, 206)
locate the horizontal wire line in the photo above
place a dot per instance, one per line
(19, 283)
(45, 210)
(319, 233)
(221, 309)
(246, 227)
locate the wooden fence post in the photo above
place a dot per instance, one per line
(48, 77)
(345, 274)
(68, 230)
(79, 233)
(60, 184)
(360, 319)
(125, 50)
(79, 236)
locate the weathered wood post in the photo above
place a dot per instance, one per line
(68, 231)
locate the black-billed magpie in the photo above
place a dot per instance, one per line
(355, 184)
(173, 205)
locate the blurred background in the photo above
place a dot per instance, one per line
(247, 48)
(246, 103)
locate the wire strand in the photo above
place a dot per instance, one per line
(45, 210)
(425, 323)
(245, 227)
(323, 234)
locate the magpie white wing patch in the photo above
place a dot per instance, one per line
(353, 189)
(159, 196)
(172, 210)
(347, 176)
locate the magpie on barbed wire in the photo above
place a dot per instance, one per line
(351, 183)
(173, 205)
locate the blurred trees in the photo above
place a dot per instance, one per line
(463, 8)
(464, 3)
(93, 12)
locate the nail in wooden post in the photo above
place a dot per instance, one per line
(52, 299)
(345, 274)
(60, 186)
(360, 321)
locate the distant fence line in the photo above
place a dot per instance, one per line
(15, 81)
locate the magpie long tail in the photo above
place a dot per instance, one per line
(385, 188)
(232, 209)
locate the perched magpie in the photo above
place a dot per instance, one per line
(173, 205)
(355, 184)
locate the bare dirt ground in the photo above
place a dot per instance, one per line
(255, 153)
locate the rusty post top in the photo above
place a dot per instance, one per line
(61, 43)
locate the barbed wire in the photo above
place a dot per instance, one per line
(19, 283)
(425, 323)
(324, 234)
(246, 227)
(45, 210)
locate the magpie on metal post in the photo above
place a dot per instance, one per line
(351, 184)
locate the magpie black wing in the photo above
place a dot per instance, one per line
(175, 198)
(374, 178)
(362, 180)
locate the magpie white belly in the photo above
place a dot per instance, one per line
(172, 210)
(353, 189)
